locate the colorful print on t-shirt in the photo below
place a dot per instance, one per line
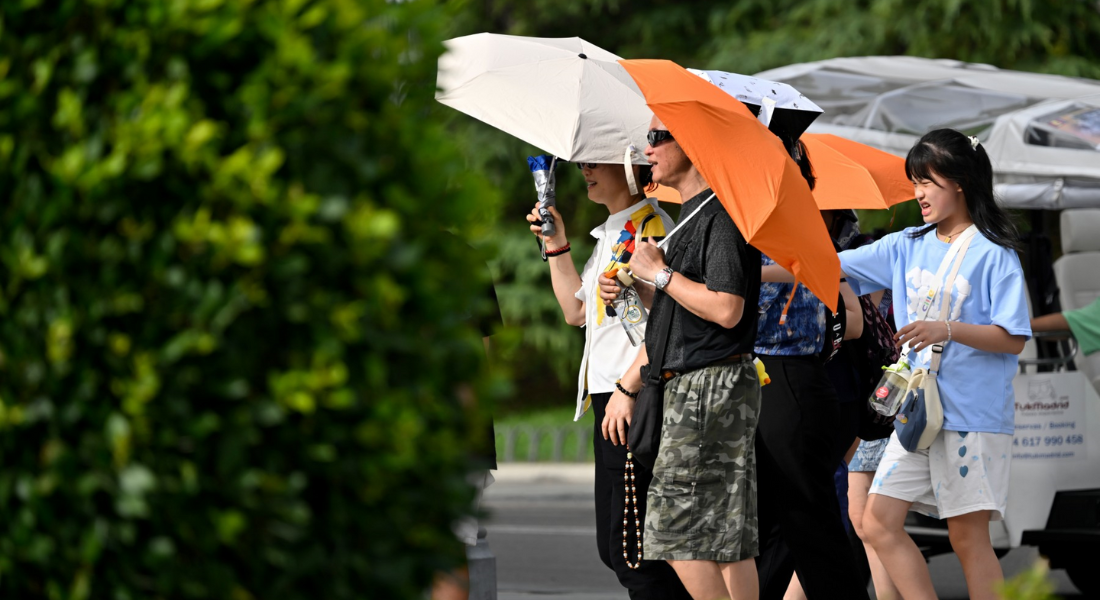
(652, 226)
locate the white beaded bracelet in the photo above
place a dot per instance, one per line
(948, 330)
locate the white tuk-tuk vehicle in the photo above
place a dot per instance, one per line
(1042, 133)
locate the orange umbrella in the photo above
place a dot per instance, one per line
(855, 175)
(748, 169)
(664, 193)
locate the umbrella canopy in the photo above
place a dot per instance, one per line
(565, 96)
(849, 174)
(748, 169)
(1034, 126)
(792, 112)
(855, 175)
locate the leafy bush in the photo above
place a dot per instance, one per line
(232, 336)
(1032, 584)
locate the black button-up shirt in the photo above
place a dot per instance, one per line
(716, 254)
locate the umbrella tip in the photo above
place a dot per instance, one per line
(582, 55)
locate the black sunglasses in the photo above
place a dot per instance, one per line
(583, 166)
(656, 136)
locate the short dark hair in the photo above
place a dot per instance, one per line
(645, 178)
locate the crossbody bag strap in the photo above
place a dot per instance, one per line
(945, 304)
(948, 260)
(668, 237)
(656, 362)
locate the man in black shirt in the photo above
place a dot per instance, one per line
(702, 502)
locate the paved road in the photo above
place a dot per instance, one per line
(541, 530)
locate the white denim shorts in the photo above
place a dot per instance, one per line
(959, 474)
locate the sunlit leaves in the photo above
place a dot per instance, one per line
(224, 258)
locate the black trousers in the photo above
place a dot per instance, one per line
(798, 449)
(654, 578)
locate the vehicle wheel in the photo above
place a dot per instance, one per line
(1085, 577)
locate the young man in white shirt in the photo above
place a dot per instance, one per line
(607, 353)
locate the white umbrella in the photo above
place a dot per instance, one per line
(1038, 129)
(565, 96)
(786, 111)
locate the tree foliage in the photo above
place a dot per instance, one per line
(233, 337)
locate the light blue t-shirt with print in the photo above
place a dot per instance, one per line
(975, 386)
(804, 331)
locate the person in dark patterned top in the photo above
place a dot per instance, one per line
(800, 443)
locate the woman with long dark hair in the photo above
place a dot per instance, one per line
(980, 322)
(959, 159)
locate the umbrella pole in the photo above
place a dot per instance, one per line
(783, 316)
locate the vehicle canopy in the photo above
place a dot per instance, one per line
(1042, 131)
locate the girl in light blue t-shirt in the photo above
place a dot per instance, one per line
(963, 477)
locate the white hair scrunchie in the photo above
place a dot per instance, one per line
(973, 142)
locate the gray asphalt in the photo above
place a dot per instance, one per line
(542, 531)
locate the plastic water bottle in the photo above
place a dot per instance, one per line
(888, 394)
(632, 314)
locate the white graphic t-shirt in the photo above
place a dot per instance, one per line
(975, 386)
(607, 350)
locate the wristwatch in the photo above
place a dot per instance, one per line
(661, 279)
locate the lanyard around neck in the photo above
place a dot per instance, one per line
(668, 237)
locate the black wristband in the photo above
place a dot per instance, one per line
(623, 390)
(559, 251)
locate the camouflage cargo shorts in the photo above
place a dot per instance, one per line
(702, 502)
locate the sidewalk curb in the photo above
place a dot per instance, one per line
(545, 472)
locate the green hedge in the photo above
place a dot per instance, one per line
(233, 338)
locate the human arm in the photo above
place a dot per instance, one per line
(853, 314)
(718, 307)
(563, 273)
(774, 273)
(989, 338)
(852, 311)
(1052, 322)
(645, 293)
(721, 308)
(620, 407)
(1006, 327)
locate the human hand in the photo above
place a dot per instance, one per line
(553, 242)
(921, 334)
(609, 289)
(616, 419)
(647, 259)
